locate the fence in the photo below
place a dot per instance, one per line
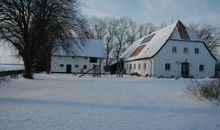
(10, 73)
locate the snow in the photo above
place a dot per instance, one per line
(64, 101)
(159, 39)
(84, 47)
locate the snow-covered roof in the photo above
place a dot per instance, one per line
(82, 48)
(149, 45)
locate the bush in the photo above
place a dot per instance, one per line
(209, 90)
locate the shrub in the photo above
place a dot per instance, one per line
(209, 89)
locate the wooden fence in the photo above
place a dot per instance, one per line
(10, 73)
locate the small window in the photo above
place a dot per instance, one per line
(134, 66)
(196, 50)
(76, 66)
(167, 67)
(174, 50)
(85, 57)
(84, 66)
(130, 66)
(139, 66)
(185, 50)
(61, 65)
(93, 60)
(201, 68)
(148, 38)
(145, 66)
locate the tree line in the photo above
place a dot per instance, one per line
(36, 27)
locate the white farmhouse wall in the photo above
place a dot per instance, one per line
(166, 55)
(138, 67)
(58, 64)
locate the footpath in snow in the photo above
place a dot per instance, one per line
(67, 102)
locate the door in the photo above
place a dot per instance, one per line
(185, 69)
(68, 68)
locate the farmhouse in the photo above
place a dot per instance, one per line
(80, 57)
(173, 51)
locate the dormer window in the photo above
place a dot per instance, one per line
(147, 38)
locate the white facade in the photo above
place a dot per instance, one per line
(173, 51)
(79, 58)
(156, 66)
(77, 64)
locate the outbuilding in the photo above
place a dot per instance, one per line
(81, 56)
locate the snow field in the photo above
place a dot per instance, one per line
(64, 102)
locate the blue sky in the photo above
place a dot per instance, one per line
(157, 11)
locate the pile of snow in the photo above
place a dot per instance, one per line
(59, 102)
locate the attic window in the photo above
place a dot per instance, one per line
(148, 38)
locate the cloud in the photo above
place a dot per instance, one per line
(157, 11)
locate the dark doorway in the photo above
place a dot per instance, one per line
(68, 68)
(185, 69)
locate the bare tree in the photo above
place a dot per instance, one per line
(208, 34)
(32, 26)
(109, 38)
(132, 32)
(98, 27)
(120, 41)
(145, 29)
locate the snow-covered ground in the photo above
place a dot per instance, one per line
(67, 102)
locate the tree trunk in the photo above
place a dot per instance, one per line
(107, 60)
(28, 68)
(48, 65)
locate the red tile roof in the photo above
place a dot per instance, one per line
(138, 50)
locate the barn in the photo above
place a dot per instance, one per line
(173, 51)
(81, 56)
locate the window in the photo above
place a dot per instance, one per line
(84, 66)
(76, 66)
(174, 50)
(148, 38)
(196, 50)
(139, 66)
(85, 57)
(201, 68)
(134, 66)
(61, 65)
(93, 60)
(185, 50)
(130, 66)
(167, 67)
(145, 66)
